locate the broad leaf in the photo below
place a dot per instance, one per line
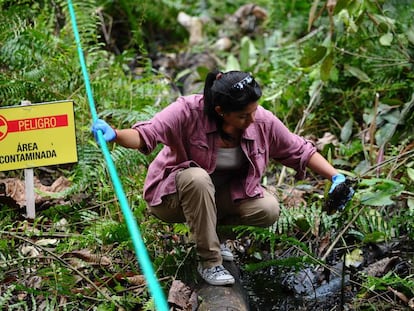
(386, 39)
(232, 63)
(374, 237)
(248, 53)
(379, 192)
(376, 199)
(410, 172)
(326, 67)
(354, 258)
(358, 73)
(346, 131)
(312, 55)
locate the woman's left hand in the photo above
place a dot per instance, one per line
(340, 193)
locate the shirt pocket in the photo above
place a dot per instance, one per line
(259, 159)
(199, 152)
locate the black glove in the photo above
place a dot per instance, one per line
(340, 193)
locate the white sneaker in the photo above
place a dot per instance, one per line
(226, 253)
(217, 275)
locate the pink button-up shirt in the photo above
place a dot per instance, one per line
(190, 139)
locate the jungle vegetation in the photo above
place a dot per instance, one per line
(338, 72)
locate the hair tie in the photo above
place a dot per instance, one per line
(219, 75)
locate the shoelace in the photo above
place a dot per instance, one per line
(219, 270)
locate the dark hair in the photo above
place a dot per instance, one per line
(232, 91)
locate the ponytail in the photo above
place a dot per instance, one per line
(208, 94)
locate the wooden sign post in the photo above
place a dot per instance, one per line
(29, 184)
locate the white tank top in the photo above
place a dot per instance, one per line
(229, 158)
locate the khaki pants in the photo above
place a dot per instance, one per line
(201, 206)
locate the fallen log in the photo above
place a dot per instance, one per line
(221, 298)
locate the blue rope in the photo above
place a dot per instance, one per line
(139, 246)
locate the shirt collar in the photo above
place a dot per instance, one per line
(250, 133)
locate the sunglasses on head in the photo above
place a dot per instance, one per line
(243, 82)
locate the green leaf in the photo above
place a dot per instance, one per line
(356, 233)
(346, 131)
(379, 191)
(354, 258)
(340, 5)
(385, 133)
(358, 73)
(232, 63)
(386, 39)
(410, 34)
(383, 184)
(302, 223)
(374, 237)
(248, 53)
(326, 67)
(312, 55)
(410, 172)
(376, 199)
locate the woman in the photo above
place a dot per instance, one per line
(216, 149)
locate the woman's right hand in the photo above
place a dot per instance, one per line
(109, 134)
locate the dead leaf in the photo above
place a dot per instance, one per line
(398, 294)
(331, 5)
(194, 26)
(315, 228)
(34, 282)
(59, 185)
(21, 296)
(61, 225)
(293, 197)
(15, 189)
(29, 251)
(223, 44)
(249, 15)
(382, 266)
(411, 303)
(327, 139)
(87, 256)
(325, 241)
(46, 242)
(182, 297)
(136, 280)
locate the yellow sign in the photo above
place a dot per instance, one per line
(37, 135)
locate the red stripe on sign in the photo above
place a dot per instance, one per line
(41, 123)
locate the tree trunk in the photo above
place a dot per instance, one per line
(224, 298)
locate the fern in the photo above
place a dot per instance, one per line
(130, 164)
(41, 66)
(86, 19)
(149, 305)
(6, 296)
(90, 169)
(303, 218)
(129, 117)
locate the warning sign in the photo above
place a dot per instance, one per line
(37, 135)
